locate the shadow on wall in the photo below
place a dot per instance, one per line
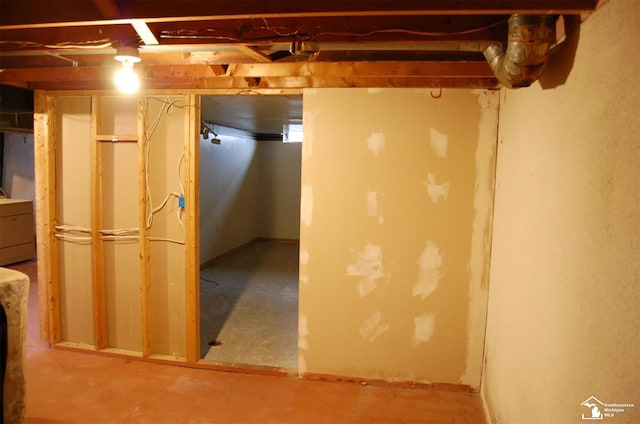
(562, 57)
(228, 196)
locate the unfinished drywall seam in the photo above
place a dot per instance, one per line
(479, 260)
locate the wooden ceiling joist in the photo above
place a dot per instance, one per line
(18, 13)
(260, 43)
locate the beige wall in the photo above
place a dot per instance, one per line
(167, 260)
(564, 306)
(73, 194)
(228, 195)
(248, 189)
(17, 171)
(279, 189)
(397, 190)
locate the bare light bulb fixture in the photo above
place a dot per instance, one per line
(126, 79)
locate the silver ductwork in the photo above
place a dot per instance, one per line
(529, 40)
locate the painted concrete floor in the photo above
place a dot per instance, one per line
(249, 306)
(74, 387)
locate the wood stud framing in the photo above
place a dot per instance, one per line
(97, 247)
(143, 233)
(49, 285)
(192, 225)
(44, 152)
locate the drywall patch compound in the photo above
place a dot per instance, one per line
(429, 272)
(376, 142)
(372, 327)
(437, 192)
(424, 327)
(439, 142)
(368, 267)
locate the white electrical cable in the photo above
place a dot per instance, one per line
(165, 239)
(73, 239)
(180, 174)
(119, 238)
(78, 234)
(167, 107)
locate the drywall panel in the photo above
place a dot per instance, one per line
(165, 169)
(564, 307)
(121, 257)
(18, 179)
(119, 172)
(73, 142)
(279, 189)
(228, 195)
(395, 212)
(118, 115)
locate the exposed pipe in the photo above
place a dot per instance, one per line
(530, 38)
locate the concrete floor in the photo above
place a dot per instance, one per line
(249, 306)
(76, 387)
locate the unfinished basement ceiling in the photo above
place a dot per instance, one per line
(262, 116)
(278, 47)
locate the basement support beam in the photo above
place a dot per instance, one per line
(22, 18)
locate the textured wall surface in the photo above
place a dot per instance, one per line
(18, 172)
(279, 190)
(564, 305)
(396, 196)
(228, 195)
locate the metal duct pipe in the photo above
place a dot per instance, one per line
(530, 38)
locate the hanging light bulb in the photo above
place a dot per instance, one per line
(126, 79)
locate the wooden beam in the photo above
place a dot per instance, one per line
(100, 338)
(192, 225)
(17, 14)
(253, 53)
(233, 86)
(53, 283)
(154, 75)
(143, 232)
(48, 290)
(364, 69)
(218, 70)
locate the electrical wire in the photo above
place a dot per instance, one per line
(167, 108)
(293, 35)
(166, 239)
(73, 239)
(411, 32)
(77, 234)
(210, 281)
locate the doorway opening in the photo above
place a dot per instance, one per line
(249, 230)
